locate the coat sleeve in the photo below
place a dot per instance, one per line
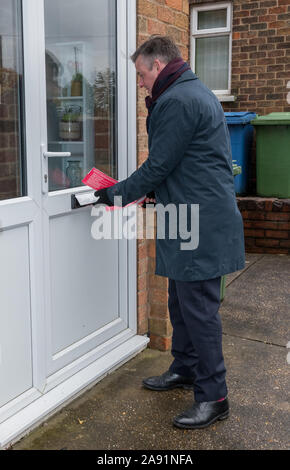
(173, 125)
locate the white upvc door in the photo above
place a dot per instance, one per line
(67, 300)
(85, 280)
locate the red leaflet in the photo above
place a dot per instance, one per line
(96, 179)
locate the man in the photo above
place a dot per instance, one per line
(189, 163)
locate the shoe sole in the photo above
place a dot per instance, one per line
(221, 417)
(163, 389)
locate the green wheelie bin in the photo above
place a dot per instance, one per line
(273, 155)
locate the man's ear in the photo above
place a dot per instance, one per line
(158, 65)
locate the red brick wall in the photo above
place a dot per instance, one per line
(260, 55)
(9, 128)
(266, 224)
(167, 17)
(102, 142)
(104, 118)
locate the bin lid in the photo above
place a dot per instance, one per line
(279, 119)
(239, 117)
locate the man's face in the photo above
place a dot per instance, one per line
(147, 77)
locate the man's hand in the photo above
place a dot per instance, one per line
(150, 199)
(103, 197)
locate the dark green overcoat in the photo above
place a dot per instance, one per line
(190, 163)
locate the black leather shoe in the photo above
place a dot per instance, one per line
(168, 381)
(202, 414)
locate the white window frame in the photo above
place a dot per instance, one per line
(223, 95)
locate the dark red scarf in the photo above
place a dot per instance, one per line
(173, 70)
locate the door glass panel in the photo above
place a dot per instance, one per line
(212, 19)
(212, 61)
(12, 148)
(80, 42)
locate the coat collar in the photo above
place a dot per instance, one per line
(185, 77)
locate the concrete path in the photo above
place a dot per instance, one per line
(118, 413)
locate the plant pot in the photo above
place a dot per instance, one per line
(70, 130)
(76, 88)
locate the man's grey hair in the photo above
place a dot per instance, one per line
(157, 47)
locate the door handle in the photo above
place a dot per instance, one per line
(45, 157)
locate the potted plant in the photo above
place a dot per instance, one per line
(77, 85)
(70, 125)
(77, 79)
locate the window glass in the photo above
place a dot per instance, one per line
(212, 19)
(12, 148)
(212, 61)
(80, 40)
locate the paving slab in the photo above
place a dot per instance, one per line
(251, 258)
(257, 303)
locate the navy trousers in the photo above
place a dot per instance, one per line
(197, 336)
